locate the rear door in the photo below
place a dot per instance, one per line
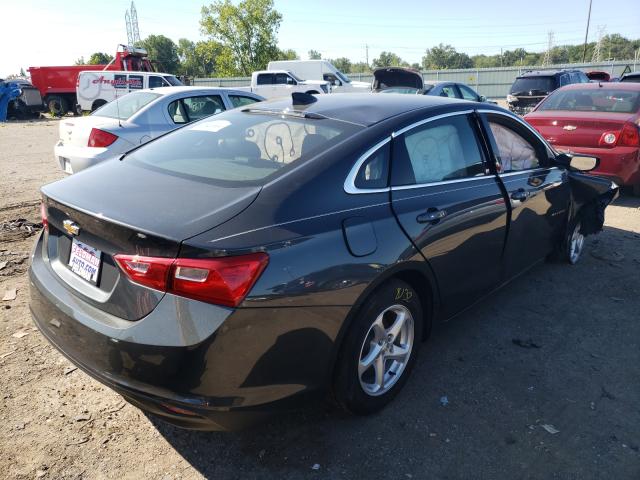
(538, 191)
(450, 205)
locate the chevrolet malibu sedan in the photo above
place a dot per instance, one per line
(601, 119)
(137, 118)
(253, 260)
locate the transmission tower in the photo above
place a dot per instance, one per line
(547, 55)
(597, 51)
(131, 19)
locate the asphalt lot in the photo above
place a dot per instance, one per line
(540, 381)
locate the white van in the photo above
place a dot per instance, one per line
(97, 87)
(320, 70)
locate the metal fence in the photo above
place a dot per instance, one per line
(491, 82)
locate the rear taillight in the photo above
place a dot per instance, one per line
(100, 138)
(629, 136)
(43, 217)
(222, 280)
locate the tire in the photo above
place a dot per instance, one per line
(573, 245)
(57, 105)
(359, 388)
(97, 104)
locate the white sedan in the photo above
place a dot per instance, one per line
(137, 118)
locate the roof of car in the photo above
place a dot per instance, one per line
(545, 73)
(185, 88)
(608, 85)
(361, 108)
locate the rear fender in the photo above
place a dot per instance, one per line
(590, 196)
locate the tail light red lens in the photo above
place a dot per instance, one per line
(100, 138)
(222, 280)
(630, 135)
(43, 216)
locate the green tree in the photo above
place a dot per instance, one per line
(288, 54)
(22, 74)
(445, 56)
(314, 55)
(360, 67)
(80, 61)
(389, 59)
(247, 33)
(162, 50)
(343, 64)
(99, 58)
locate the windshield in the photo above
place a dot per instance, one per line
(173, 80)
(535, 85)
(631, 78)
(342, 76)
(123, 108)
(295, 77)
(241, 147)
(600, 100)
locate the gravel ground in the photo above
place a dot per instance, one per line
(539, 382)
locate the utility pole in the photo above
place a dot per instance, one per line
(547, 55)
(598, 50)
(586, 35)
(366, 49)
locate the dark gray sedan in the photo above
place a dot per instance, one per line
(254, 259)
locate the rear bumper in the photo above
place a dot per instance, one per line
(620, 164)
(255, 362)
(72, 159)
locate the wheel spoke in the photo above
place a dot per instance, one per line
(398, 353)
(365, 363)
(394, 330)
(378, 367)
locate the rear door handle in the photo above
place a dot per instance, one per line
(431, 216)
(520, 194)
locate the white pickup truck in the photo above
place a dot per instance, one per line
(282, 83)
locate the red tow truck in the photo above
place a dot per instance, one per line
(57, 85)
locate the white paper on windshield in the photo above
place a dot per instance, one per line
(212, 126)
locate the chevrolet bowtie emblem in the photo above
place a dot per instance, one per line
(569, 127)
(71, 227)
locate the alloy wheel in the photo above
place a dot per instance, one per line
(576, 244)
(386, 350)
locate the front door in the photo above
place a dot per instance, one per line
(538, 191)
(451, 206)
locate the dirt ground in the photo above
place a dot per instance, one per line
(539, 382)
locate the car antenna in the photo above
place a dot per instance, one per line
(300, 98)
(118, 108)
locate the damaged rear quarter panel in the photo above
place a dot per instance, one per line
(590, 197)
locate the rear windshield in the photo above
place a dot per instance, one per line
(631, 78)
(535, 85)
(241, 148)
(600, 100)
(126, 106)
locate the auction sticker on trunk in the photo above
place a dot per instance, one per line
(85, 261)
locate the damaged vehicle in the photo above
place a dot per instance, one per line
(530, 88)
(409, 81)
(304, 246)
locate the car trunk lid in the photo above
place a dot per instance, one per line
(576, 129)
(157, 213)
(384, 78)
(76, 131)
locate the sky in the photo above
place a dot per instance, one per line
(57, 32)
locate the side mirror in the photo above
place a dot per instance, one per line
(482, 98)
(580, 163)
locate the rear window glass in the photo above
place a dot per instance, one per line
(631, 78)
(535, 85)
(126, 106)
(240, 148)
(600, 100)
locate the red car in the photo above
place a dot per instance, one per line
(600, 119)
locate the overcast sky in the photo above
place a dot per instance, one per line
(57, 32)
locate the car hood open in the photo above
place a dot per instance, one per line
(390, 77)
